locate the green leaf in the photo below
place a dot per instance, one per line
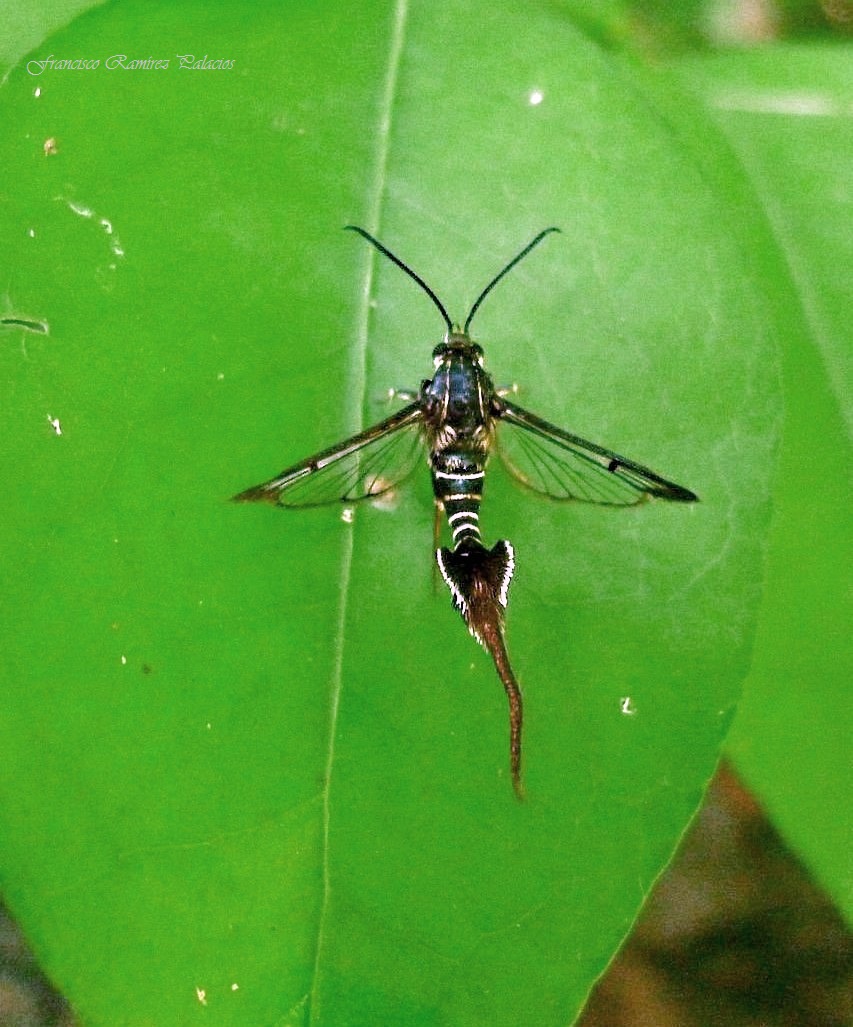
(253, 766)
(786, 113)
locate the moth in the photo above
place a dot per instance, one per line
(459, 419)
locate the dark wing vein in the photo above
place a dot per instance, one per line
(564, 466)
(361, 467)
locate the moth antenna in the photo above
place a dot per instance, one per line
(506, 270)
(405, 267)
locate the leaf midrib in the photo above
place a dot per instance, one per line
(357, 377)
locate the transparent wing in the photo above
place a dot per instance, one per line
(563, 466)
(361, 467)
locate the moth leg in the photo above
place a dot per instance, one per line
(406, 395)
(436, 540)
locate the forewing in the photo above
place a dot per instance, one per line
(362, 467)
(564, 466)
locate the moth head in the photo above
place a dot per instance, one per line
(457, 344)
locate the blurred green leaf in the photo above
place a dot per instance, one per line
(786, 112)
(662, 27)
(254, 766)
(26, 26)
